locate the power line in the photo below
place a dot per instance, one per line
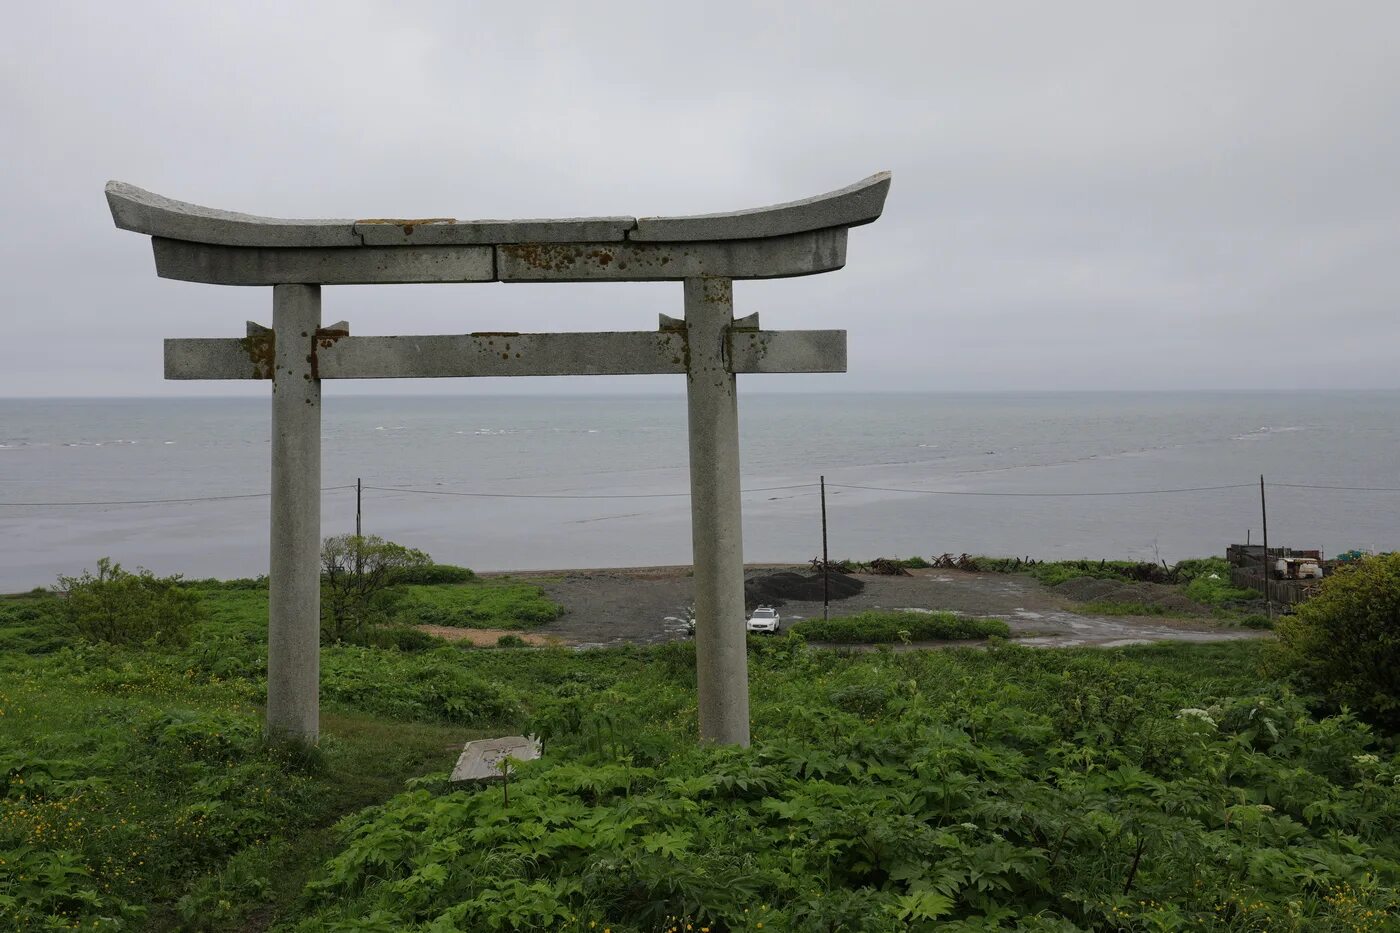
(681, 495)
(522, 495)
(1117, 492)
(250, 495)
(1347, 488)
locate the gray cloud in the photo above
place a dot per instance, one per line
(1086, 194)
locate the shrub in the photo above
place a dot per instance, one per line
(124, 608)
(1344, 643)
(899, 626)
(436, 573)
(396, 638)
(510, 641)
(355, 572)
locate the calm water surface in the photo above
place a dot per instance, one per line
(103, 450)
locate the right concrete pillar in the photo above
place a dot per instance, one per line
(716, 516)
(294, 570)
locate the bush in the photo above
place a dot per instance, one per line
(899, 626)
(1344, 643)
(436, 573)
(357, 573)
(396, 638)
(123, 608)
(510, 641)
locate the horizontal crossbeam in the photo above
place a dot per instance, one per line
(770, 257)
(441, 356)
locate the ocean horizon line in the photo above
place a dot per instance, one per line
(790, 393)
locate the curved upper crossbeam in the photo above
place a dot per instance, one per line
(152, 214)
(202, 244)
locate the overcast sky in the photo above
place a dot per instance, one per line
(1086, 195)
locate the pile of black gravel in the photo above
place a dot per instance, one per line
(775, 589)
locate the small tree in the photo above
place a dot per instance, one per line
(356, 573)
(1344, 643)
(124, 608)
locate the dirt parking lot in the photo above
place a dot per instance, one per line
(647, 605)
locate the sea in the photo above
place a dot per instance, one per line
(516, 482)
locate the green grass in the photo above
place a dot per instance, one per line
(1105, 607)
(886, 627)
(136, 790)
(485, 604)
(1218, 591)
(1055, 573)
(1154, 788)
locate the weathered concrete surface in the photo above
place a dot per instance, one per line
(368, 265)
(294, 569)
(481, 760)
(443, 231)
(145, 212)
(721, 658)
(219, 357)
(857, 204)
(440, 356)
(787, 351)
(584, 354)
(775, 257)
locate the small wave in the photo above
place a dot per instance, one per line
(1263, 432)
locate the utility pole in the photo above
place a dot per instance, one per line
(1264, 514)
(359, 536)
(826, 561)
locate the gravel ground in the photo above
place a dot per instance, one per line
(647, 605)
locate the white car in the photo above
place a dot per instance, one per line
(765, 619)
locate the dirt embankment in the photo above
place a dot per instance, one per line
(1168, 600)
(648, 605)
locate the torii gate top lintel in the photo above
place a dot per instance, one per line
(201, 244)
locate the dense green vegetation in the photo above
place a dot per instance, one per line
(1104, 607)
(1162, 788)
(1344, 643)
(1204, 581)
(124, 608)
(882, 627)
(499, 603)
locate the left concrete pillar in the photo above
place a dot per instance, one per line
(294, 571)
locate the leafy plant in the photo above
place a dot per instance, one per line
(355, 571)
(1344, 643)
(487, 604)
(436, 573)
(880, 627)
(123, 608)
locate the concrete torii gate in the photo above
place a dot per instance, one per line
(705, 252)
